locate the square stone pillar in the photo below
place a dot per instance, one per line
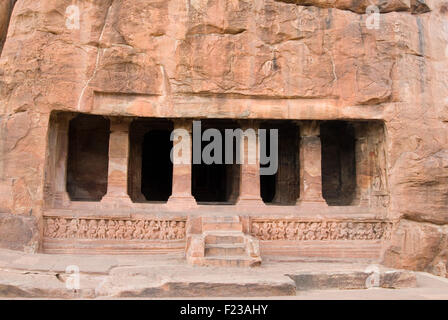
(250, 172)
(117, 181)
(60, 156)
(181, 195)
(363, 165)
(310, 164)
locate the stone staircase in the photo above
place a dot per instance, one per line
(222, 243)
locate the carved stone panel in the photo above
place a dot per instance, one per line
(110, 229)
(321, 230)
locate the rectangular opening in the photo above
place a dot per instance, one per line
(353, 163)
(150, 172)
(218, 182)
(88, 157)
(283, 187)
(338, 162)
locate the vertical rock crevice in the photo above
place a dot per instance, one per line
(6, 8)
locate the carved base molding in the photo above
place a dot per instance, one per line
(289, 236)
(114, 229)
(295, 229)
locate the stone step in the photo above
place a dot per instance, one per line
(217, 223)
(226, 250)
(224, 237)
(222, 226)
(231, 261)
(354, 279)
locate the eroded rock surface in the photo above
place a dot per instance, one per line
(18, 232)
(360, 6)
(419, 246)
(123, 276)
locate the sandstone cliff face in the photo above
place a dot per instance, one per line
(298, 59)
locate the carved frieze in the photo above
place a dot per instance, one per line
(320, 230)
(110, 229)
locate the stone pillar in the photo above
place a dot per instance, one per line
(310, 164)
(60, 151)
(370, 156)
(250, 172)
(181, 194)
(117, 181)
(363, 165)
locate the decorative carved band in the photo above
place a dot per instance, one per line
(109, 229)
(321, 230)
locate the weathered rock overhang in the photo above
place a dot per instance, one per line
(361, 7)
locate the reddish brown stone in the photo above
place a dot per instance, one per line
(297, 61)
(19, 232)
(418, 246)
